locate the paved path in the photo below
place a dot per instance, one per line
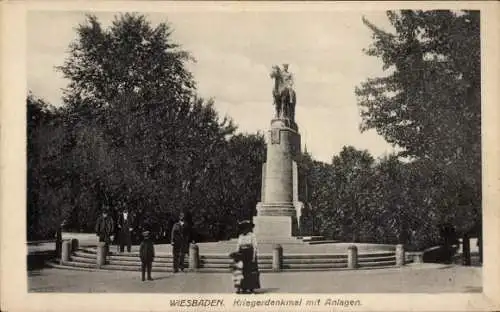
(425, 278)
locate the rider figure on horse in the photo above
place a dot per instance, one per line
(284, 95)
(287, 79)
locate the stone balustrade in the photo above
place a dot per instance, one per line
(277, 261)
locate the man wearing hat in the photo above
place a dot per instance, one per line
(180, 242)
(125, 228)
(104, 227)
(147, 255)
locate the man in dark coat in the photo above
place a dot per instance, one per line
(147, 254)
(125, 228)
(104, 228)
(180, 243)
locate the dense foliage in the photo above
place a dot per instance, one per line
(430, 103)
(48, 173)
(132, 132)
(357, 198)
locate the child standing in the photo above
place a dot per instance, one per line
(237, 270)
(147, 253)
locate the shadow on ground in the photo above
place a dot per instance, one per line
(266, 290)
(161, 277)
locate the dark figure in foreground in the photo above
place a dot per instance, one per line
(180, 243)
(125, 228)
(247, 247)
(450, 242)
(237, 270)
(104, 228)
(147, 254)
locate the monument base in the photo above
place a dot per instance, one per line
(273, 226)
(276, 209)
(276, 229)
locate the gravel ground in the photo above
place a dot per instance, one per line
(425, 278)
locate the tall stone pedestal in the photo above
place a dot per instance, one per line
(277, 212)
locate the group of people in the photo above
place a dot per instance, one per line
(244, 267)
(180, 239)
(106, 230)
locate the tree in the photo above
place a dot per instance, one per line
(352, 170)
(307, 221)
(47, 171)
(403, 203)
(141, 136)
(129, 57)
(386, 201)
(429, 104)
(230, 186)
(133, 132)
(340, 193)
(322, 199)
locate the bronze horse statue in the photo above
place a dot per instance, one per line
(284, 96)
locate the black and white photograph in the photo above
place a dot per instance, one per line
(258, 154)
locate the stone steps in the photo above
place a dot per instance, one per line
(226, 263)
(83, 259)
(376, 254)
(70, 265)
(311, 238)
(377, 259)
(326, 266)
(319, 242)
(73, 265)
(223, 256)
(312, 261)
(314, 256)
(66, 266)
(264, 266)
(220, 258)
(377, 263)
(86, 258)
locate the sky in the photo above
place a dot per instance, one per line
(234, 53)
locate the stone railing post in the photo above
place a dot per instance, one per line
(352, 257)
(277, 258)
(65, 251)
(194, 258)
(418, 258)
(102, 252)
(74, 245)
(400, 255)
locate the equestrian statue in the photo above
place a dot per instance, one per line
(283, 93)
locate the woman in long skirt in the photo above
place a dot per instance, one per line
(247, 246)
